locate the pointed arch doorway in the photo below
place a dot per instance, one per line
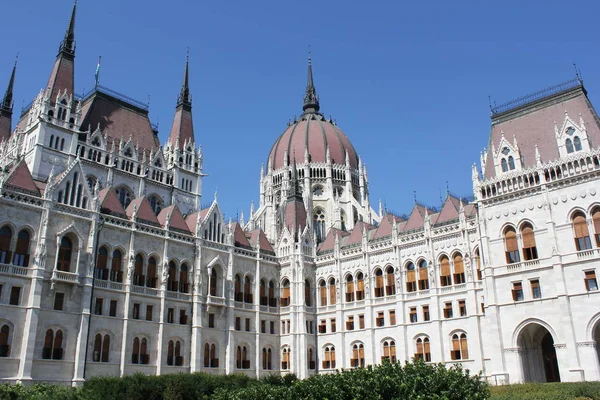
(538, 354)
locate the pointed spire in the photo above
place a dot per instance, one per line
(67, 46)
(185, 97)
(311, 100)
(7, 101)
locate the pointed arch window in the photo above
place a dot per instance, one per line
(285, 293)
(511, 245)
(138, 271)
(459, 269)
(329, 357)
(248, 298)
(389, 351)
(577, 143)
(285, 358)
(379, 289)
(264, 300)
(569, 146)
(390, 285)
(172, 279)
(445, 275)
(4, 346)
(596, 219)
(101, 348)
(267, 359)
(332, 291)
(139, 353)
(214, 278)
(65, 253)
(358, 355)
(423, 277)
(360, 286)
(210, 356)
(272, 298)
(319, 224)
(581, 232)
(323, 292)
(124, 196)
(511, 163)
(184, 286)
(151, 279)
(5, 240)
(529, 247)
(504, 165)
(116, 274)
(102, 264)
(237, 288)
(411, 280)
(21, 257)
(53, 345)
(460, 348)
(423, 349)
(349, 288)
(311, 359)
(478, 264)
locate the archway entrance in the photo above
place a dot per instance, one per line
(597, 340)
(538, 355)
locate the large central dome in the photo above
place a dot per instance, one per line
(315, 132)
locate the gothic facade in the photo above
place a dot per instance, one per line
(111, 265)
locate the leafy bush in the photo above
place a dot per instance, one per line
(548, 391)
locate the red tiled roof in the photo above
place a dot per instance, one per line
(61, 77)
(295, 216)
(182, 128)
(239, 236)
(176, 220)
(329, 242)
(110, 204)
(20, 178)
(385, 226)
(119, 120)
(416, 219)
(144, 210)
(314, 131)
(356, 234)
(264, 242)
(449, 210)
(535, 125)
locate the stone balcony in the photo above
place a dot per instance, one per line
(13, 270)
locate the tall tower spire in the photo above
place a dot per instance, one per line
(182, 130)
(6, 107)
(62, 77)
(311, 100)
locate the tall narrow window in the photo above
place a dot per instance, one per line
(307, 293)
(138, 271)
(459, 269)
(248, 290)
(53, 343)
(4, 346)
(569, 145)
(264, 300)
(15, 296)
(213, 282)
(151, 279)
(323, 293)
(285, 358)
(504, 165)
(206, 355)
(582, 235)
(311, 360)
(184, 286)
(511, 245)
(460, 349)
(423, 277)
(360, 286)
(596, 219)
(65, 252)
(445, 276)
(411, 283)
(349, 288)
(285, 296)
(536, 291)
(390, 285)
(272, 298)
(529, 247)
(379, 289)
(5, 239)
(172, 279)
(577, 143)
(511, 163)
(102, 264)
(170, 353)
(237, 288)
(332, 291)
(423, 349)
(478, 264)
(116, 274)
(21, 257)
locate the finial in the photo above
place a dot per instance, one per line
(7, 101)
(578, 74)
(415, 195)
(215, 194)
(185, 97)
(311, 100)
(67, 45)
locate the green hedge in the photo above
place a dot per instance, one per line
(547, 391)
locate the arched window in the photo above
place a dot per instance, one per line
(51, 136)
(210, 356)
(423, 349)
(332, 291)
(323, 293)
(214, 278)
(319, 224)
(151, 273)
(582, 234)
(390, 285)
(65, 252)
(242, 360)
(349, 288)
(511, 163)
(329, 359)
(389, 351)
(155, 204)
(138, 271)
(569, 145)
(139, 354)
(379, 290)
(311, 360)
(272, 298)
(596, 219)
(423, 277)
(5, 239)
(206, 355)
(264, 300)
(174, 356)
(53, 345)
(21, 257)
(577, 143)
(529, 247)
(459, 269)
(360, 286)
(172, 279)
(460, 349)
(411, 280)
(4, 346)
(101, 348)
(358, 355)
(124, 196)
(504, 165)
(184, 286)
(116, 275)
(285, 294)
(102, 264)
(511, 245)
(445, 276)
(285, 358)
(248, 298)
(478, 264)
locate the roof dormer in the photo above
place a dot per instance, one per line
(507, 156)
(571, 137)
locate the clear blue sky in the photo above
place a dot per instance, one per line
(407, 81)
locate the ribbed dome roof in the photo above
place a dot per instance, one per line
(312, 130)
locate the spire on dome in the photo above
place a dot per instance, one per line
(311, 100)
(185, 97)
(182, 130)
(67, 45)
(6, 107)
(62, 77)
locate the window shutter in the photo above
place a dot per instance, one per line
(379, 281)
(580, 226)
(458, 265)
(390, 279)
(464, 348)
(410, 276)
(528, 237)
(445, 267)
(422, 273)
(510, 238)
(286, 292)
(361, 285)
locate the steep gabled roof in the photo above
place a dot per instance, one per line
(110, 204)
(357, 232)
(176, 220)
(239, 237)
(449, 210)
(264, 242)
(329, 242)
(295, 216)
(144, 211)
(20, 178)
(416, 219)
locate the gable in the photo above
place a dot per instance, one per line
(20, 179)
(110, 204)
(176, 220)
(449, 210)
(143, 209)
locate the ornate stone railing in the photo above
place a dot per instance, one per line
(64, 276)
(8, 269)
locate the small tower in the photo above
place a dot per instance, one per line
(6, 108)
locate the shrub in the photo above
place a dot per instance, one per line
(548, 391)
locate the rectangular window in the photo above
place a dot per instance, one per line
(238, 323)
(136, 311)
(211, 320)
(590, 281)
(287, 323)
(426, 316)
(323, 326)
(59, 300)
(170, 315)
(113, 308)
(536, 291)
(392, 317)
(283, 327)
(149, 312)
(99, 306)
(361, 321)
(412, 314)
(247, 324)
(448, 310)
(15, 296)
(380, 321)
(333, 325)
(272, 327)
(311, 326)
(350, 323)
(263, 326)
(183, 319)
(517, 291)
(462, 308)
